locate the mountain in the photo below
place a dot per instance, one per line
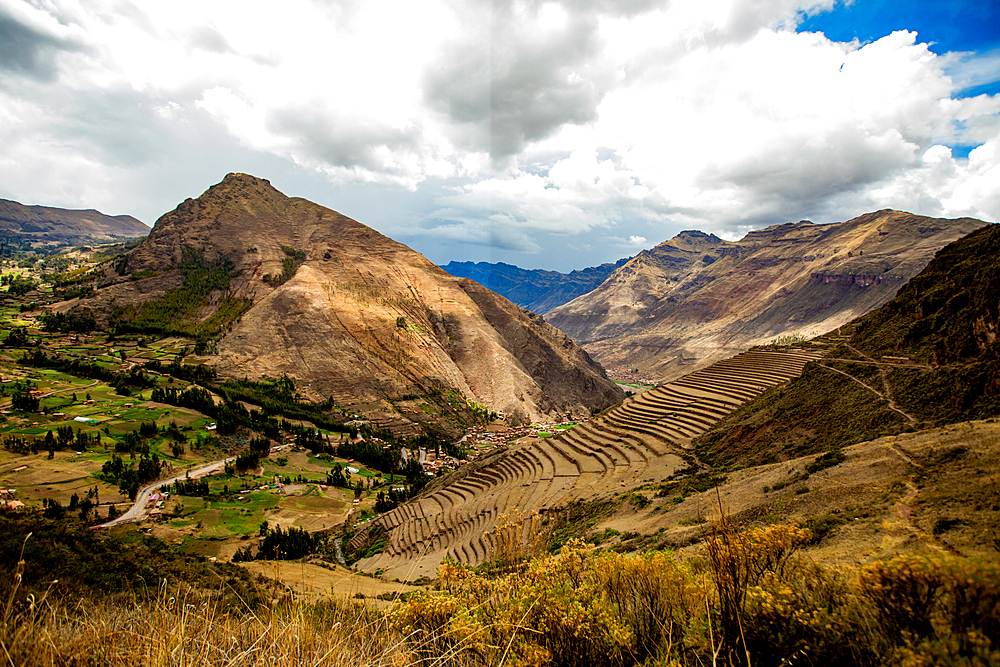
(696, 298)
(46, 223)
(536, 290)
(276, 285)
(927, 358)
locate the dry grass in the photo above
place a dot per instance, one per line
(747, 600)
(179, 626)
(517, 538)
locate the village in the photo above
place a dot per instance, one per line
(632, 379)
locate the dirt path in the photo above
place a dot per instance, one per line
(62, 391)
(903, 511)
(903, 455)
(885, 382)
(885, 395)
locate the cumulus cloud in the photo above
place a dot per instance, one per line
(517, 73)
(631, 244)
(514, 124)
(495, 233)
(945, 186)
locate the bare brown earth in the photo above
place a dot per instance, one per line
(67, 224)
(645, 439)
(930, 491)
(696, 298)
(334, 326)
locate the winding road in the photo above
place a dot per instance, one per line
(138, 510)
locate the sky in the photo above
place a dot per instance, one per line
(546, 134)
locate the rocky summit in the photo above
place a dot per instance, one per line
(276, 285)
(696, 298)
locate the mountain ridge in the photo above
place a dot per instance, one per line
(537, 290)
(347, 313)
(929, 357)
(69, 225)
(679, 306)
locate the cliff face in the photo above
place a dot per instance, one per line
(349, 313)
(926, 358)
(697, 299)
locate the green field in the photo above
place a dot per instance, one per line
(201, 525)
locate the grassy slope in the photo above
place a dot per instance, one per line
(85, 561)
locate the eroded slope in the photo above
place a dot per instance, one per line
(695, 299)
(341, 309)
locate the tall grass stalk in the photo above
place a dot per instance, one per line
(178, 627)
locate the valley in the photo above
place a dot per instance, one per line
(134, 410)
(324, 417)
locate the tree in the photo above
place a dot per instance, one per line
(20, 286)
(86, 505)
(23, 400)
(18, 337)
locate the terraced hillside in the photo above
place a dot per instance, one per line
(643, 439)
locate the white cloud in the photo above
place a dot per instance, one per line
(942, 185)
(969, 70)
(518, 121)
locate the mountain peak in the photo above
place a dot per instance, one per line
(695, 298)
(244, 187)
(692, 240)
(344, 311)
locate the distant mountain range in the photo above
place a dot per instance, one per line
(69, 226)
(536, 290)
(696, 298)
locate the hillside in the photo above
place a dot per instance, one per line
(536, 290)
(273, 285)
(696, 298)
(928, 357)
(639, 442)
(45, 223)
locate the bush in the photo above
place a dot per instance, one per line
(936, 603)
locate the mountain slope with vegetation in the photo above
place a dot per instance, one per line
(696, 299)
(928, 357)
(536, 290)
(275, 285)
